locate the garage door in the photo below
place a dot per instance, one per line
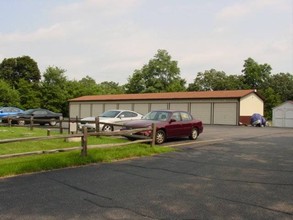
(158, 106)
(74, 110)
(97, 109)
(202, 111)
(225, 113)
(141, 108)
(85, 110)
(125, 106)
(110, 106)
(289, 118)
(179, 106)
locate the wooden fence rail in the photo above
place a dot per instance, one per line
(84, 141)
(32, 122)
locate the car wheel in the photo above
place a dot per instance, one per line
(194, 134)
(107, 128)
(160, 137)
(53, 122)
(20, 122)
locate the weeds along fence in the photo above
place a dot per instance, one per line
(84, 141)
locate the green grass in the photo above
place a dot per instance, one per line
(36, 163)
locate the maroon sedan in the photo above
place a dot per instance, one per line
(169, 123)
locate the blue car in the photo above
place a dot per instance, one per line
(7, 111)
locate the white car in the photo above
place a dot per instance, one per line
(110, 116)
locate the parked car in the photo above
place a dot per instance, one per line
(6, 111)
(44, 114)
(111, 116)
(169, 124)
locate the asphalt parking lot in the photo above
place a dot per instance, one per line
(228, 173)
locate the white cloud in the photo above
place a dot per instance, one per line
(248, 7)
(109, 39)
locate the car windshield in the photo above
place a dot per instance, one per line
(30, 111)
(110, 114)
(5, 109)
(157, 116)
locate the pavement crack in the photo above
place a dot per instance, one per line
(211, 178)
(79, 189)
(133, 174)
(253, 205)
(119, 207)
(222, 165)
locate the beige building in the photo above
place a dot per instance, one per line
(229, 107)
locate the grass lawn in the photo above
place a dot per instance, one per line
(35, 163)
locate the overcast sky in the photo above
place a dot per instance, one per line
(108, 39)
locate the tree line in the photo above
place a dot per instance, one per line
(22, 85)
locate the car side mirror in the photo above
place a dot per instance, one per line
(172, 120)
(121, 116)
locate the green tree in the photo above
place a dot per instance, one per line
(209, 80)
(8, 96)
(14, 69)
(136, 83)
(54, 90)
(215, 80)
(256, 76)
(282, 84)
(85, 86)
(29, 94)
(272, 99)
(161, 74)
(110, 87)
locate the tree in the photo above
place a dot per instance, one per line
(256, 76)
(272, 99)
(282, 84)
(136, 83)
(14, 69)
(110, 87)
(161, 74)
(209, 80)
(54, 90)
(85, 86)
(8, 96)
(29, 94)
(215, 80)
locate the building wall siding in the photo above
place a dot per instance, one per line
(204, 109)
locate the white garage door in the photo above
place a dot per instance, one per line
(125, 106)
(289, 118)
(159, 106)
(202, 111)
(141, 108)
(179, 106)
(97, 109)
(85, 110)
(74, 110)
(225, 113)
(110, 106)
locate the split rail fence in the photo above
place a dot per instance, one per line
(84, 138)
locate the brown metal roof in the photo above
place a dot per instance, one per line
(168, 95)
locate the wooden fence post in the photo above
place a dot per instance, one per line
(9, 122)
(97, 123)
(31, 123)
(60, 125)
(76, 121)
(48, 132)
(153, 142)
(84, 142)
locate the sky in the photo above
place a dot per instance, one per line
(108, 40)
